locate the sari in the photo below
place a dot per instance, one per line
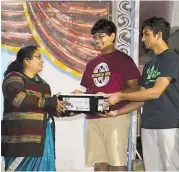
(44, 163)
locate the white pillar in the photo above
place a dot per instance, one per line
(127, 40)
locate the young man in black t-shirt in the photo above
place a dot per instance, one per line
(159, 96)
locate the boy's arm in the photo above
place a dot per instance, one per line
(132, 86)
(130, 107)
(126, 109)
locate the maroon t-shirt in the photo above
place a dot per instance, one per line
(109, 73)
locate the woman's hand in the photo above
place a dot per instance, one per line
(60, 106)
(58, 94)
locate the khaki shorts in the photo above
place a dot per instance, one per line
(107, 140)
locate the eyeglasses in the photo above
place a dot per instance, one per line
(99, 37)
(38, 57)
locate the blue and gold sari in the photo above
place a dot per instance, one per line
(44, 163)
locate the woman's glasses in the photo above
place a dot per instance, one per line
(38, 57)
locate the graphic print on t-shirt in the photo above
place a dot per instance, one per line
(101, 74)
(152, 74)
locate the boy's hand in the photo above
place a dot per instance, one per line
(109, 114)
(78, 92)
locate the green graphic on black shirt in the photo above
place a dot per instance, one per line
(152, 74)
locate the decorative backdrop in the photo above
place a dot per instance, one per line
(62, 31)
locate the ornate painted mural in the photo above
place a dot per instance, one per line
(62, 28)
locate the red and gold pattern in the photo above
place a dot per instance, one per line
(60, 29)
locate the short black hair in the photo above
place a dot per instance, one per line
(158, 25)
(104, 26)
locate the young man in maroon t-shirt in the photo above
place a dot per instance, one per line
(111, 71)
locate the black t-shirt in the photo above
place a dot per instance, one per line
(162, 113)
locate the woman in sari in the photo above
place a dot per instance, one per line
(28, 119)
